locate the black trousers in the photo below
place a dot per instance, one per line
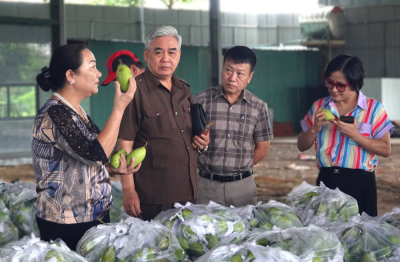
(69, 233)
(357, 183)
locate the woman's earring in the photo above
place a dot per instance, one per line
(71, 83)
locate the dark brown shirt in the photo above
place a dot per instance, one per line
(162, 118)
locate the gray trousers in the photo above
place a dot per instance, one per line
(237, 193)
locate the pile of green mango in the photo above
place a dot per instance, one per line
(369, 241)
(247, 253)
(321, 205)
(306, 242)
(138, 154)
(132, 240)
(200, 228)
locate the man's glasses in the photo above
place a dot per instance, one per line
(339, 86)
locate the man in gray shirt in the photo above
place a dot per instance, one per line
(240, 137)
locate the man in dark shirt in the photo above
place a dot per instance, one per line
(159, 114)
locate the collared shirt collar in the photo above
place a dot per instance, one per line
(245, 95)
(361, 102)
(153, 82)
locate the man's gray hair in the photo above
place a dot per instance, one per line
(162, 31)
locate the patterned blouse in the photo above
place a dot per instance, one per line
(73, 184)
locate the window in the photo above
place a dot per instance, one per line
(17, 100)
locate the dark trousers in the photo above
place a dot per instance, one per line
(357, 183)
(69, 233)
(150, 211)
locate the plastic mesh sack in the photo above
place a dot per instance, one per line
(311, 243)
(199, 228)
(246, 253)
(366, 239)
(117, 211)
(321, 205)
(21, 203)
(8, 232)
(133, 240)
(35, 250)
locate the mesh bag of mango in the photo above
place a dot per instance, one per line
(200, 228)
(311, 244)
(248, 253)
(269, 215)
(367, 239)
(320, 205)
(32, 249)
(20, 201)
(132, 240)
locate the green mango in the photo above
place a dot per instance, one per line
(236, 240)
(328, 114)
(267, 225)
(108, 254)
(368, 257)
(262, 242)
(317, 259)
(206, 218)
(138, 154)
(222, 212)
(151, 253)
(273, 211)
(239, 227)
(116, 158)
(164, 243)
(187, 230)
(250, 255)
(331, 215)
(195, 249)
(54, 254)
(170, 223)
(179, 254)
(123, 75)
(86, 248)
(282, 245)
(237, 258)
(183, 243)
(394, 239)
(185, 212)
(212, 241)
(253, 223)
(321, 209)
(221, 226)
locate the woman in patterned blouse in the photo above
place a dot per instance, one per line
(70, 153)
(347, 152)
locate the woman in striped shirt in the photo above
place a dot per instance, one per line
(347, 152)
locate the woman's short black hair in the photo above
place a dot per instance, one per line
(241, 55)
(351, 67)
(64, 58)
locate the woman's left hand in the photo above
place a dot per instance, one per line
(123, 169)
(349, 130)
(201, 142)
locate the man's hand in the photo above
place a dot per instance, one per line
(319, 121)
(123, 169)
(131, 203)
(349, 130)
(201, 142)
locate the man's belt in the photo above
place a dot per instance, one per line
(227, 178)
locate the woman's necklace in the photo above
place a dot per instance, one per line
(68, 104)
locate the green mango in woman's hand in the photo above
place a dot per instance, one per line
(328, 114)
(123, 75)
(138, 154)
(116, 158)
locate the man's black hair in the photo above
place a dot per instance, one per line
(351, 68)
(139, 65)
(241, 55)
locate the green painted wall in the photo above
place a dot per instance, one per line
(287, 80)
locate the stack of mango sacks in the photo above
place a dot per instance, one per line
(35, 250)
(8, 232)
(269, 215)
(311, 244)
(117, 212)
(20, 201)
(248, 253)
(133, 240)
(200, 228)
(320, 205)
(368, 240)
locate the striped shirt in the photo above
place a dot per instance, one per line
(73, 184)
(335, 149)
(236, 130)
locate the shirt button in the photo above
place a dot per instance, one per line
(226, 163)
(229, 135)
(190, 164)
(230, 108)
(176, 113)
(172, 97)
(229, 121)
(158, 114)
(187, 147)
(181, 130)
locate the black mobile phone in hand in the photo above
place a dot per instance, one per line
(347, 119)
